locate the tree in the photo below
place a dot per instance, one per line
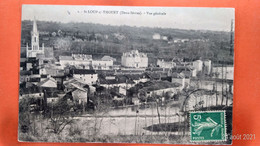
(102, 107)
(24, 114)
(60, 116)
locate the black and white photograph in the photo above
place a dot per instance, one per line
(118, 74)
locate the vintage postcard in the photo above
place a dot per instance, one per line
(126, 74)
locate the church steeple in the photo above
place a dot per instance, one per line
(35, 48)
(35, 37)
(34, 25)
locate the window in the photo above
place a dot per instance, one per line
(35, 39)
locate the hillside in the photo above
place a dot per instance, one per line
(98, 40)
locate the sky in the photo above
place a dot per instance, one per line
(216, 19)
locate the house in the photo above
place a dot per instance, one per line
(120, 90)
(24, 76)
(70, 83)
(52, 71)
(119, 81)
(156, 36)
(137, 78)
(34, 78)
(28, 89)
(153, 76)
(198, 65)
(158, 88)
(48, 83)
(80, 95)
(83, 61)
(181, 78)
(189, 71)
(165, 38)
(107, 58)
(119, 36)
(136, 101)
(102, 64)
(78, 60)
(134, 59)
(89, 77)
(165, 64)
(29, 64)
(207, 66)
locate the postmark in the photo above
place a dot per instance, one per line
(207, 126)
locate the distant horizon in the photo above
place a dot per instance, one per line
(185, 18)
(227, 31)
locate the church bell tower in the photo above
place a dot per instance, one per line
(35, 37)
(35, 48)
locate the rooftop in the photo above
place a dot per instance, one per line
(134, 53)
(83, 71)
(156, 85)
(118, 80)
(107, 58)
(65, 58)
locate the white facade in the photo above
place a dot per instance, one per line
(134, 59)
(165, 38)
(120, 85)
(193, 72)
(160, 92)
(102, 64)
(83, 61)
(165, 64)
(80, 96)
(86, 76)
(156, 36)
(198, 64)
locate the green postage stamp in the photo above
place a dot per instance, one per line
(207, 126)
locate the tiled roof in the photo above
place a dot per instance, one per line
(157, 85)
(46, 80)
(108, 58)
(65, 58)
(177, 75)
(118, 80)
(83, 71)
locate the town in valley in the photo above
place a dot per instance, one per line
(107, 85)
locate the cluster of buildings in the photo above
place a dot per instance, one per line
(79, 76)
(194, 67)
(157, 36)
(84, 61)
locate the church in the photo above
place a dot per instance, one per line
(35, 50)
